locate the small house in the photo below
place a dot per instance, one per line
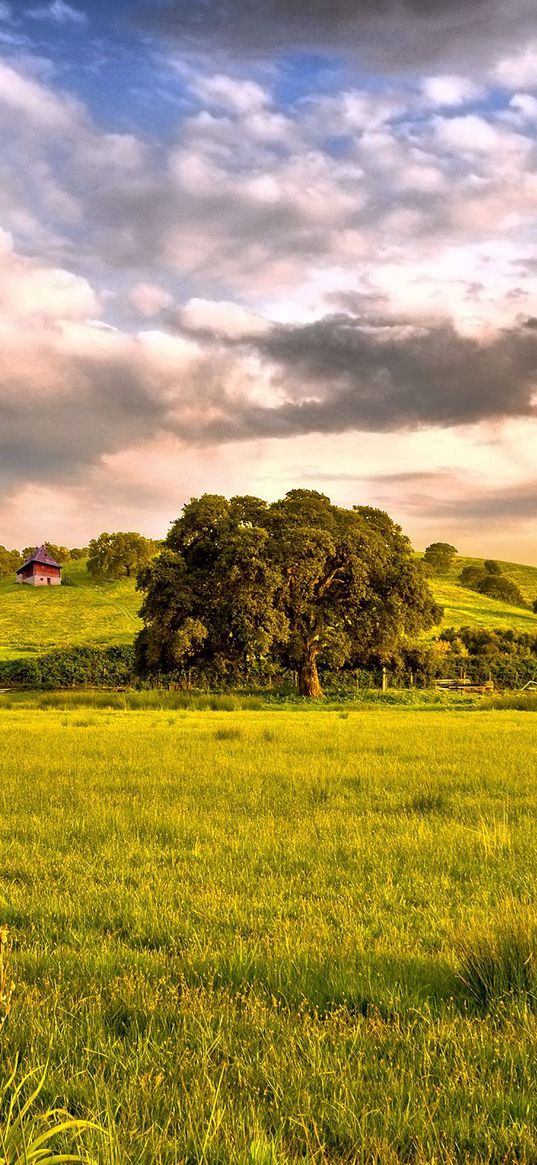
(40, 570)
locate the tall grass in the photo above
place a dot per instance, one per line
(511, 701)
(499, 963)
(236, 936)
(29, 1134)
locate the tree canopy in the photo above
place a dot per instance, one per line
(10, 560)
(60, 553)
(297, 582)
(120, 555)
(440, 555)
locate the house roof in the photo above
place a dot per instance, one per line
(41, 555)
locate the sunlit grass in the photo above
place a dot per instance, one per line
(34, 621)
(240, 936)
(466, 608)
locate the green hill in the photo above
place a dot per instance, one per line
(81, 613)
(84, 613)
(466, 608)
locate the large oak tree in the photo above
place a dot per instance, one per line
(298, 582)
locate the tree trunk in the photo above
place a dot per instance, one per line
(308, 677)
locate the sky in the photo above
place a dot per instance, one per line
(249, 248)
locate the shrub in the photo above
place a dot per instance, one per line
(470, 576)
(499, 587)
(71, 667)
(492, 567)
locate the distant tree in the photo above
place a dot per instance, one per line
(60, 553)
(470, 576)
(440, 555)
(121, 555)
(499, 587)
(492, 567)
(78, 552)
(300, 582)
(10, 560)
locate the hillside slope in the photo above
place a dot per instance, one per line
(82, 613)
(85, 613)
(466, 608)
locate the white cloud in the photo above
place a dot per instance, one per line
(237, 96)
(223, 318)
(36, 103)
(520, 70)
(525, 105)
(450, 90)
(469, 133)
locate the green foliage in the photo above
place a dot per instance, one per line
(440, 555)
(470, 576)
(121, 555)
(243, 585)
(10, 560)
(60, 553)
(71, 667)
(489, 580)
(498, 587)
(226, 946)
(507, 657)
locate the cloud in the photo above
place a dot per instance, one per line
(519, 70)
(343, 373)
(59, 12)
(149, 299)
(396, 34)
(220, 318)
(516, 503)
(449, 90)
(35, 103)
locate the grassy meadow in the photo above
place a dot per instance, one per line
(466, 608)
(282, 937)
(81, 613)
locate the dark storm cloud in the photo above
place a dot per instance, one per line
(340, 374)
(399, 34)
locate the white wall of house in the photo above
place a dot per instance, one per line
(39, 580)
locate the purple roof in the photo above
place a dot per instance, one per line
(41, 555)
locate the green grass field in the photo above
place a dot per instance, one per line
(238, 937)
(82, 613)
(104, 614)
